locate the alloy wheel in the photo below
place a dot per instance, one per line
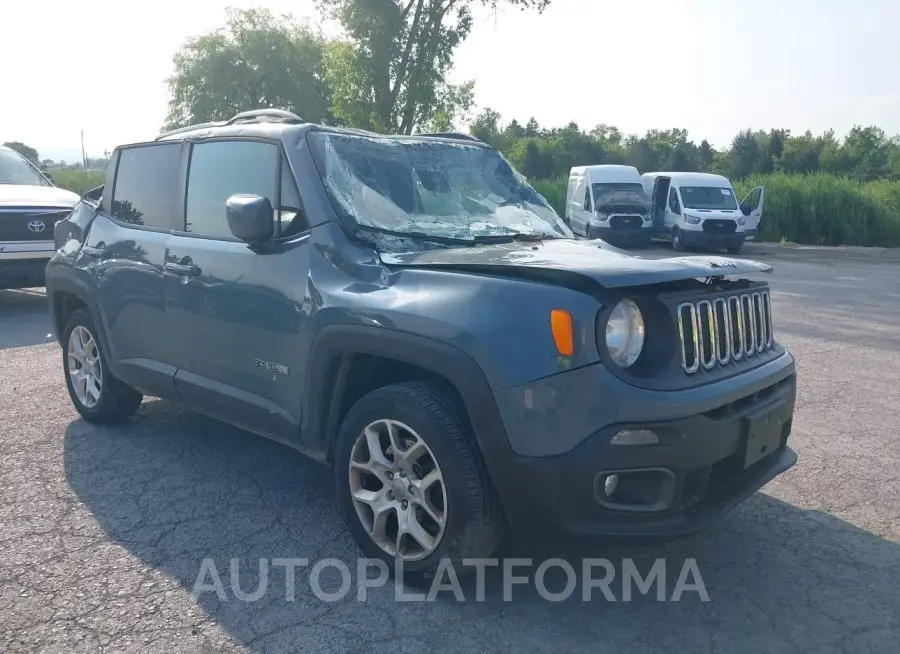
(398, 490)
(85, 369)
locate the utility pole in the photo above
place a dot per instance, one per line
(83, 157)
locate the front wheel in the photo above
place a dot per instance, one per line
(411, 485)
(734, 249)
(677, 243)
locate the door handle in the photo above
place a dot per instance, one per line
(186, 269)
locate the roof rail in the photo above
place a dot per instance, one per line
(279, 114)
(452, 135)
(189, 128)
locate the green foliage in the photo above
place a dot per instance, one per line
(865, 154)
(257, 60)
(823, 209)
(77, 180)
(26, 151)
(391, 73)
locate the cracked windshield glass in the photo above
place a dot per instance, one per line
(429, 187)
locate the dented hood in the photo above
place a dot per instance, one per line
(609, 266)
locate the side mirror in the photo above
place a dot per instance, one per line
(746, 209)
(250, 218)
(49, 177)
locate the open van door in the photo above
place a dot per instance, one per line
(752, 208)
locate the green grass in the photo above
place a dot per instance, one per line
(77, 181)
(817, 209)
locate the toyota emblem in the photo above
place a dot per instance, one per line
(36, 226)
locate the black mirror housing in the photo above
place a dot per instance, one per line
(250, 218)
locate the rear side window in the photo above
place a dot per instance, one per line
(145, 186)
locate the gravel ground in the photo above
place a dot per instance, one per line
(104, 531)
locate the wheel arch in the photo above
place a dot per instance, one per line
(334, 382)
(67, 294)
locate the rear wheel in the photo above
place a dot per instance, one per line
(411, 485)
(99, 397)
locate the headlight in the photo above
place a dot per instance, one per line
(692, 220)
(602, 216)
(625, 333)
(741, 220)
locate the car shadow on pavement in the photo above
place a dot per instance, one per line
(180, 493)
(24, 319)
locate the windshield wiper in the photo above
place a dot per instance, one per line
(480, 239)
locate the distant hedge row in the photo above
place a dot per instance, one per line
(78, 181)
(818, 209)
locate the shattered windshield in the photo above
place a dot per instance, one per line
(619, 192)
(428, 187)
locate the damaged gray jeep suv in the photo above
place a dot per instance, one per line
(410, 312)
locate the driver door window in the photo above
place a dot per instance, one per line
(674, 204)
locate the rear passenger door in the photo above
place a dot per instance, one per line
(124, 255)
(237, 312)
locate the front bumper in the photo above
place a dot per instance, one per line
(22, 273)
(696, 472)
(690, 238)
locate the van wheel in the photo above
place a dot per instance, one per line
(734, 249)
(588, 234)
(411, 485)
(677, 244)
(99, 397)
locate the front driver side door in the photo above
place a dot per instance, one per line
(752, 208)
(237, 312)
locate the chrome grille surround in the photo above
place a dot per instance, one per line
(727, 329)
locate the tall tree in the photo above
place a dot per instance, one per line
(256, 60)
(393, 73)
(25, 150)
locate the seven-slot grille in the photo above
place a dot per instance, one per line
(723, 330)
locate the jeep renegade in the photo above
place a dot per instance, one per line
(410, 312)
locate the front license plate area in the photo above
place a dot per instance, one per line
(762, 433)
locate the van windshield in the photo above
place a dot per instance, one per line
(430, 187)
(606, 193)
(708, 197)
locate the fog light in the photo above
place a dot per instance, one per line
(635, 437)
(610, 485)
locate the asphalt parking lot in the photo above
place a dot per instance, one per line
(105, 530)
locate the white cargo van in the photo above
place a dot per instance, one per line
(700, 210)
(609, 202)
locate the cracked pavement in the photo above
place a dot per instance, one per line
(103, 530)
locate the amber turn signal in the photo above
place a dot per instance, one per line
(561, 326)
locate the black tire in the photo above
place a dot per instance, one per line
(733, 249)
(587, 232)
(677, 244)
(117, 402)
(474, 519)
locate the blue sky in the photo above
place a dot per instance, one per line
(710, 66)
